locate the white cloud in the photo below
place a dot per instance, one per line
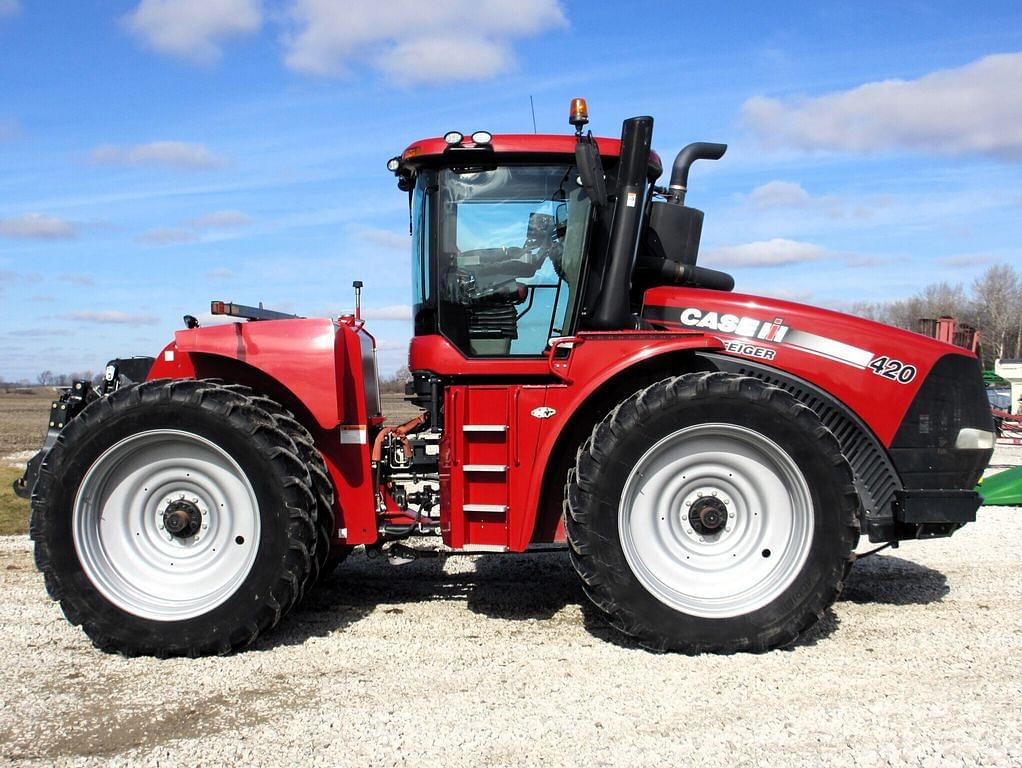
(114, 317)
(38, 226)
(220, 273)
(414, 41)
(967, 260)
(973, 109)
(77, 279)
(229, 219)
(386, 238)
(194, 30)
(401, 312)
(764, 253)
(779, 194)
(166, 236)
(9, 8)
(169, 154)
(391, 312)
(789, 194)
(10, 276)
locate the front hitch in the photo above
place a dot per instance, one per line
(71, 402)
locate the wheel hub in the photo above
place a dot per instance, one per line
(707, 515)
(182, 519)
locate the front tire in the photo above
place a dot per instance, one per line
(711, 513)
(174, 518)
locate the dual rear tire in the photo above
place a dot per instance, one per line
(180, 518)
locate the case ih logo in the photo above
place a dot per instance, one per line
(748, 327)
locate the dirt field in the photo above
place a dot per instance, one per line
(23, 419)
(498, 661)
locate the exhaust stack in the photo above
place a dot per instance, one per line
(612, 309)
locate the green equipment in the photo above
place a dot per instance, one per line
(1003, 489)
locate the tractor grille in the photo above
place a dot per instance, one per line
(875, 477)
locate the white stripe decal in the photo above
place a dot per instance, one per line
(835, 350)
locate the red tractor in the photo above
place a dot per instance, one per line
(709, 459)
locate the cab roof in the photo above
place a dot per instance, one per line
(436, 151)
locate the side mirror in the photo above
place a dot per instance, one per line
(590, 170)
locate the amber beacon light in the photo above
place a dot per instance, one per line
(578, 115)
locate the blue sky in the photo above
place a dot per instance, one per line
(157, 155)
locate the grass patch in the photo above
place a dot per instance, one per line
(14, 512)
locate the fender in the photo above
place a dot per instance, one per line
(596, 359)
(317, 369)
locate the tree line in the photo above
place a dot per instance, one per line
(992, 304)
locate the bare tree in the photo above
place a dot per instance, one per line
(45, 378)
(997, 297)
(936, 300)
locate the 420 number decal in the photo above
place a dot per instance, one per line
(895, 370)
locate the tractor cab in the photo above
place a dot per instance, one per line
(501, 231)
(521, 239)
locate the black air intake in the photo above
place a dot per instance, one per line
(612, 309)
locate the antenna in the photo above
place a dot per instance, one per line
(533, 106)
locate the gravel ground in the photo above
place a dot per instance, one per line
(496, 661)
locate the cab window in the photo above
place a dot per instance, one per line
(510, 248)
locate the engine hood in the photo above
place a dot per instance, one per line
(874, 369)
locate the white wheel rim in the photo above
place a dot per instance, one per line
(123, 544)
(748, 561)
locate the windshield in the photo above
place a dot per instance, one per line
(509, 252)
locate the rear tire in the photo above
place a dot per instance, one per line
(711, 513)
(131, 469)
